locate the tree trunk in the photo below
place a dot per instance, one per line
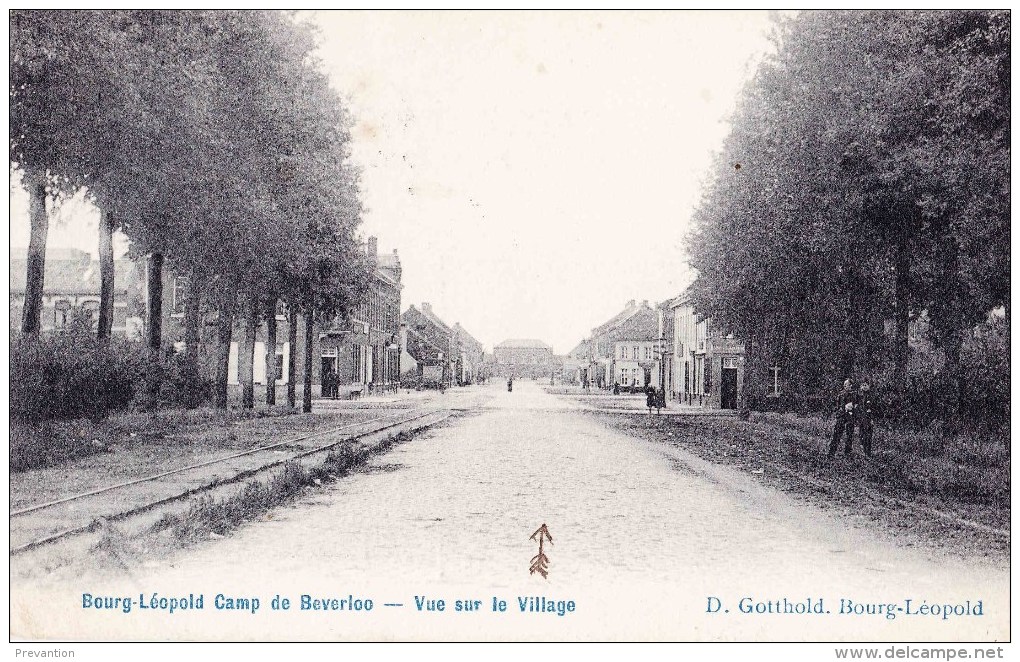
(106, 275)
(31, 320)
(306, 397)
(291, 355)
(271, 352)
(192, 322)
(225, 333)
(154, 314)
(246, 355)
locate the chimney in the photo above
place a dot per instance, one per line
(630, 304)
(373, 246)
(426, 307)
(644, 304)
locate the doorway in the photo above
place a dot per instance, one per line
(328, 366)
(728, 391)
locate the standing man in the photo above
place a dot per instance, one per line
(650, 398)
(844, 419)
(863, 411)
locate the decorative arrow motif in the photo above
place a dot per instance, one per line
(540, 562)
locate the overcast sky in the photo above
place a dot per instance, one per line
(534, 170)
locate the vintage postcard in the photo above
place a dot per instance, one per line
(536, 326)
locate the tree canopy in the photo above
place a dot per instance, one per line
(865, 181)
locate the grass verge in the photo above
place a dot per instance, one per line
(951, 490)
(55, 442)
(208, 516)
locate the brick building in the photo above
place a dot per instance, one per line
(525, 358)
(361, 349)
(71, 288)
(429, 342)
(364, 349)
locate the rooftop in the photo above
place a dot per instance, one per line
(523, 343)
(68, 271)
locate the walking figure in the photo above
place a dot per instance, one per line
(844, 419)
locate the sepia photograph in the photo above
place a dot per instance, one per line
(659, 326)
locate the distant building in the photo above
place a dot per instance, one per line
(635, 361)
(429, 342)
(633, 323)
(525, 358)
(576, 362)
(71, 289)
(470, 352)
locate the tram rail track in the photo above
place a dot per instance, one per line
(387, 424)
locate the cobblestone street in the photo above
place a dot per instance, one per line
(643, 534)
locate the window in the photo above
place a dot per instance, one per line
(623, 376)
(729, 362)
(356, 363)
(648, 353)
(637, 353)
(623, 352)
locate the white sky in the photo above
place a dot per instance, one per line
(535, 170)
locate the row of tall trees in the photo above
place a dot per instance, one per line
(213, 141)
(863, 194)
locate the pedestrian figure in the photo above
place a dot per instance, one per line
(650, 398)
(844, 419)
(863, 411)
(616, 388)
(510, 384)
(660, 400)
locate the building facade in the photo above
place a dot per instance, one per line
(470, 351)
(361, 349)
(527, 358)
(71, 292)
(430, 344)
(602, 346)
(635, 349)
(707, 365)
(364, 349)
(576, 363)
